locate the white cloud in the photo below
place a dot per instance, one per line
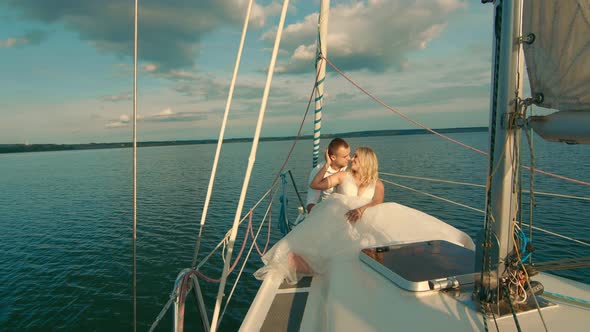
(123, 121)
(166, 112)
(9, 43)
(375, 35)
(30, 38)
(150, 67)
(117, 98)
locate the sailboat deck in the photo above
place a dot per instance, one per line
(355, 297)
(287, 308)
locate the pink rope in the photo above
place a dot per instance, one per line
(238, 257)
(250, 228)
(400, 113)
(559, 176)
(437, 133)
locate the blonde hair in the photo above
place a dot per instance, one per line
(368, 171)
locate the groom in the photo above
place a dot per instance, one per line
(339, 153)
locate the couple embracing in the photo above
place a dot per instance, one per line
(335, 175)
(350, 216)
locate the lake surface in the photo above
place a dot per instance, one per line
(66, 220)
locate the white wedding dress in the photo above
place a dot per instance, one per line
(326, 235)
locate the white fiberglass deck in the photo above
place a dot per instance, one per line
(354, 297)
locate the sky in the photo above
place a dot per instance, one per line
(66, 67)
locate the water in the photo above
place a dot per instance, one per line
(66, 221)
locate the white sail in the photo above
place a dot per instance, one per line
(558, 59)
(563, 126)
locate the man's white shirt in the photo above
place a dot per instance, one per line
(316, 196)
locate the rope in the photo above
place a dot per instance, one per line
(227, 234)
(559, 176)
(201, 275)
(527, 278)
(283, 221)
(483, 292)
(222, 131)
(483, 314)
(437, 133)
(260, 252)
(164, 309)
(482, 211)
(400, 113)
(434, 196)
(558, 235)
(135, 167)
(542, 265)
(540, 193)
(564, 267)
(532, 204)
(298, 136)
(507, 294)
(561, 195)
(433, 180)
(274, 183)
(251, 159)
(254, 238)
(173, 295)
(296, 190)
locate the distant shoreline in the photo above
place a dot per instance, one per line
(16, 148)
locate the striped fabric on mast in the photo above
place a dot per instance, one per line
(320, 77)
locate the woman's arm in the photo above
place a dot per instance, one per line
(320, 182)
(354, 215)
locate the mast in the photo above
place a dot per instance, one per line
(322, 50)
(501, 198)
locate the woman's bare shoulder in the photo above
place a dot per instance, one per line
(379, 184)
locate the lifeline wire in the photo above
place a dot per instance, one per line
(135, 169)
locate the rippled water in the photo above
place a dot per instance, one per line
(66, 220)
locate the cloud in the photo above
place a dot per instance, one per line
(166, 115)
(207, 87)
(150, 67)
(374, 35)
(123, 121)
(33, 37)
(170, 32)
(117, 98)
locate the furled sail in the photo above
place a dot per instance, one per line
(557, 53)
(558, 59)
(564, 126)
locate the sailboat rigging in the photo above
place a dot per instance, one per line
(498, 280)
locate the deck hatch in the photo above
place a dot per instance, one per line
(417, 266)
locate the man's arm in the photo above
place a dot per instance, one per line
(313, 196)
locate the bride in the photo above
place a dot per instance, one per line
(352, 218)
